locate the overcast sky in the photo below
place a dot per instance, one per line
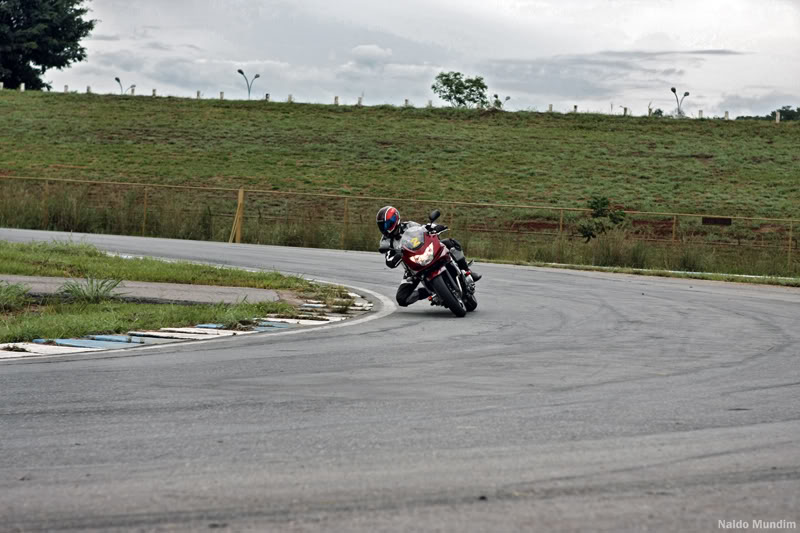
(737, 55)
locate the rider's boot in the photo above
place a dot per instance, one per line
(418, 294)
(463, 265)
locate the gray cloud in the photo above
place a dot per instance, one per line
(102, 37)
(758, 105)
(161, 47)
(125, 60)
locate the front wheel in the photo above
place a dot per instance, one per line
(449, 295)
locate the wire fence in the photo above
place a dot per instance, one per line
(347, 222)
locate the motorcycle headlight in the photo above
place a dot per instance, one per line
(425, 257)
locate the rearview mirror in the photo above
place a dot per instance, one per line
(434, 215)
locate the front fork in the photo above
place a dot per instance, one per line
(464, 282)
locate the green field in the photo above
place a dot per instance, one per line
(708, 166)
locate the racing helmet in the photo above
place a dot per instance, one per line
(388, 220)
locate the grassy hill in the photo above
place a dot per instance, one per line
(714, 166)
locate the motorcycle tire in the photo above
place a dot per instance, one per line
(448, 294)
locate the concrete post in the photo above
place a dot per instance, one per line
(66, 89)
(335, 100)
(700, 113)
(575, 109)
(360, 100)
(726, 115)
(289, 100)
(550, 108)
(22, 87)
(1, 85)
(88, 89)
(222, 95)
(198, 95)
(777, 117)
(154, 92)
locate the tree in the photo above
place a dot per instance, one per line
(38, 35)
(458, 91)
(787, 113)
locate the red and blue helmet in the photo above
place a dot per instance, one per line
(388, 219)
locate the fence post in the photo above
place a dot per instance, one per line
(360, 100)
(550, 108)
(789, 261)
(222, 95)
(335, 100)
(575, 109)
(727, 115)
(198, 95)
(674, 227)
(266, 97)
(700, 114)
(1, 85)
(46, 206)
(777, 117)
(430, 104)
(22, 87)
(561, 223)
(66, 89)
(88, 89)
(624, 111)
(345, 223)
(649, 111)
(154, 92)
(144, 215)
(406, 104)
(238, 219)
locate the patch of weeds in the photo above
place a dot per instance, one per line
(13, 297)
(91, 291)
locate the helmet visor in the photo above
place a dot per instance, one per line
(392, 218)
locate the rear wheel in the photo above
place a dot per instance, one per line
(443, 286)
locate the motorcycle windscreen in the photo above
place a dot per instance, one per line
(413, 238)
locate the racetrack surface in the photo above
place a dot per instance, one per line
(570, 401)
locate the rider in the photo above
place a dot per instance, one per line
(392, 228)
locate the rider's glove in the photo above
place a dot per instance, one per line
(393, 258)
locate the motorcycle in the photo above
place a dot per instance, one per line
(427, 260)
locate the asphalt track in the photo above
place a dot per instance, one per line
(569, 401)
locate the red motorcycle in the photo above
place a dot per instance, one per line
(428, 261)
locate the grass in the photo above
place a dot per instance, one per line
(13, 297)
(726, 167)
(59, 319)
(739, 168)
(90, 290)
(88, 307)
(80, 260)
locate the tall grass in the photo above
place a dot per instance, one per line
(13, 297)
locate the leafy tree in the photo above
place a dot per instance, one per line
(37, 35)
(603, 218)
(458, 91)
(787, 113)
